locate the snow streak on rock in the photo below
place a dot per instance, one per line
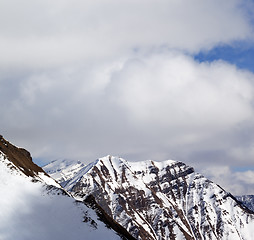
(162, 200)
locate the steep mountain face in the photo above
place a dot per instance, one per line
(161, 200)
(35, 207)
(247, 200)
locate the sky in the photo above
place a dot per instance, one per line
(164, 79)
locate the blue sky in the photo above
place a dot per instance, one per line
(241, 55)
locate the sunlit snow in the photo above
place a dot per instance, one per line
(30, 212)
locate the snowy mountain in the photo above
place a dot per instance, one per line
(35, 207)
(139, 200)
(161, 200)
(247, 200)
(63, 170)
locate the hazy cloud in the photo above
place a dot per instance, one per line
(238, 183)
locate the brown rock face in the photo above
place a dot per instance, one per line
(162, 200)
(20, 157)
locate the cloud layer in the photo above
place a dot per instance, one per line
(86, 79)
(47, 34)
(164, 104)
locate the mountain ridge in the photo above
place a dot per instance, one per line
(162, 200)
(138, 200)
(247, 200)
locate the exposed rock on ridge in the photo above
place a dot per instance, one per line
(162, 200)
(20, 157)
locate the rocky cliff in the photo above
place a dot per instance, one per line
(162, 200)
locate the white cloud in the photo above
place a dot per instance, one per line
(50, 33)
(173, 88)
(83, 79)
(158, 105)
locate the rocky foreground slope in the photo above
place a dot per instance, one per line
(35, 207)
(160, 200)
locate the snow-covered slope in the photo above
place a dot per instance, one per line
(63, 170)
(247, 200)
(34, 207)
(162, 200)
(20, 161)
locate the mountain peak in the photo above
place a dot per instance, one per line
(161, 200)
